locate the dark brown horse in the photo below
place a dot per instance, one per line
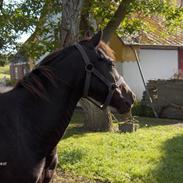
(35, 114)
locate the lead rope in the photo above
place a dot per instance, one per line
(129, 120)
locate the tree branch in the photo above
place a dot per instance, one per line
(1, 6)
(118, 17)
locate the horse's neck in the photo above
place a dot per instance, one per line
(45, 122)
(49, 120)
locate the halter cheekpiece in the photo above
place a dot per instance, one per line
(90, 69)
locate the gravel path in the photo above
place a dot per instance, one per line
(4, 89)
(66, 177)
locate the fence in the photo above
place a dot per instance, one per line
(167, 97)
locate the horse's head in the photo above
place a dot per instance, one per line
(103, 83)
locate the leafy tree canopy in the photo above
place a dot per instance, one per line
(22, 16)
(17, 17)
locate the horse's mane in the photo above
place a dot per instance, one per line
(33, 82)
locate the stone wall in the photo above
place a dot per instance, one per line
(167, 96)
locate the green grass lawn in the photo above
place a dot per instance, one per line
(4, 71)
(153, 154)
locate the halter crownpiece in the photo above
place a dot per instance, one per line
(90, 69)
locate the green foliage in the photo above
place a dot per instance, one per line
(4, 69)
(167, 11)
(153, 154)
(3, 60)
(17, 18)
(27, 16)
(103, 11)
(10, 82)
(142, 110)
(5, 75)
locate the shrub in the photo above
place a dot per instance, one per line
(10, 82)
(142, 110)
(2, 63)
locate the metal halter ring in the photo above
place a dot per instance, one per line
(89, 67)
(113, 87)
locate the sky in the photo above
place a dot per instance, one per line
(23, 38)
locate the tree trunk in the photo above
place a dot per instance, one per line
(71, 11)
(96, 119)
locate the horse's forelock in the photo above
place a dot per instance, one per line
(107, 50)
(103, 46)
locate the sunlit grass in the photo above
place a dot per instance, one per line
(4, 72)
(153, 154)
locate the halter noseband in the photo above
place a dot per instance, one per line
(90, 69)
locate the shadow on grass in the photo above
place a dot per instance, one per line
(150, 122)
(72, 157)
(170, 167)
(75, 130)
(76, 127)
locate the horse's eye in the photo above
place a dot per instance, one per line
(110, 63)
(101, 57)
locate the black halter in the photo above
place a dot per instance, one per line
(90, 69)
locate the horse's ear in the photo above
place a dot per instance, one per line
(88, 35)
(96, 38)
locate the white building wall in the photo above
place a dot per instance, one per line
(156, 64)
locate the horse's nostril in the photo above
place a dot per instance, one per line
(128, 104)
(133, 97)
